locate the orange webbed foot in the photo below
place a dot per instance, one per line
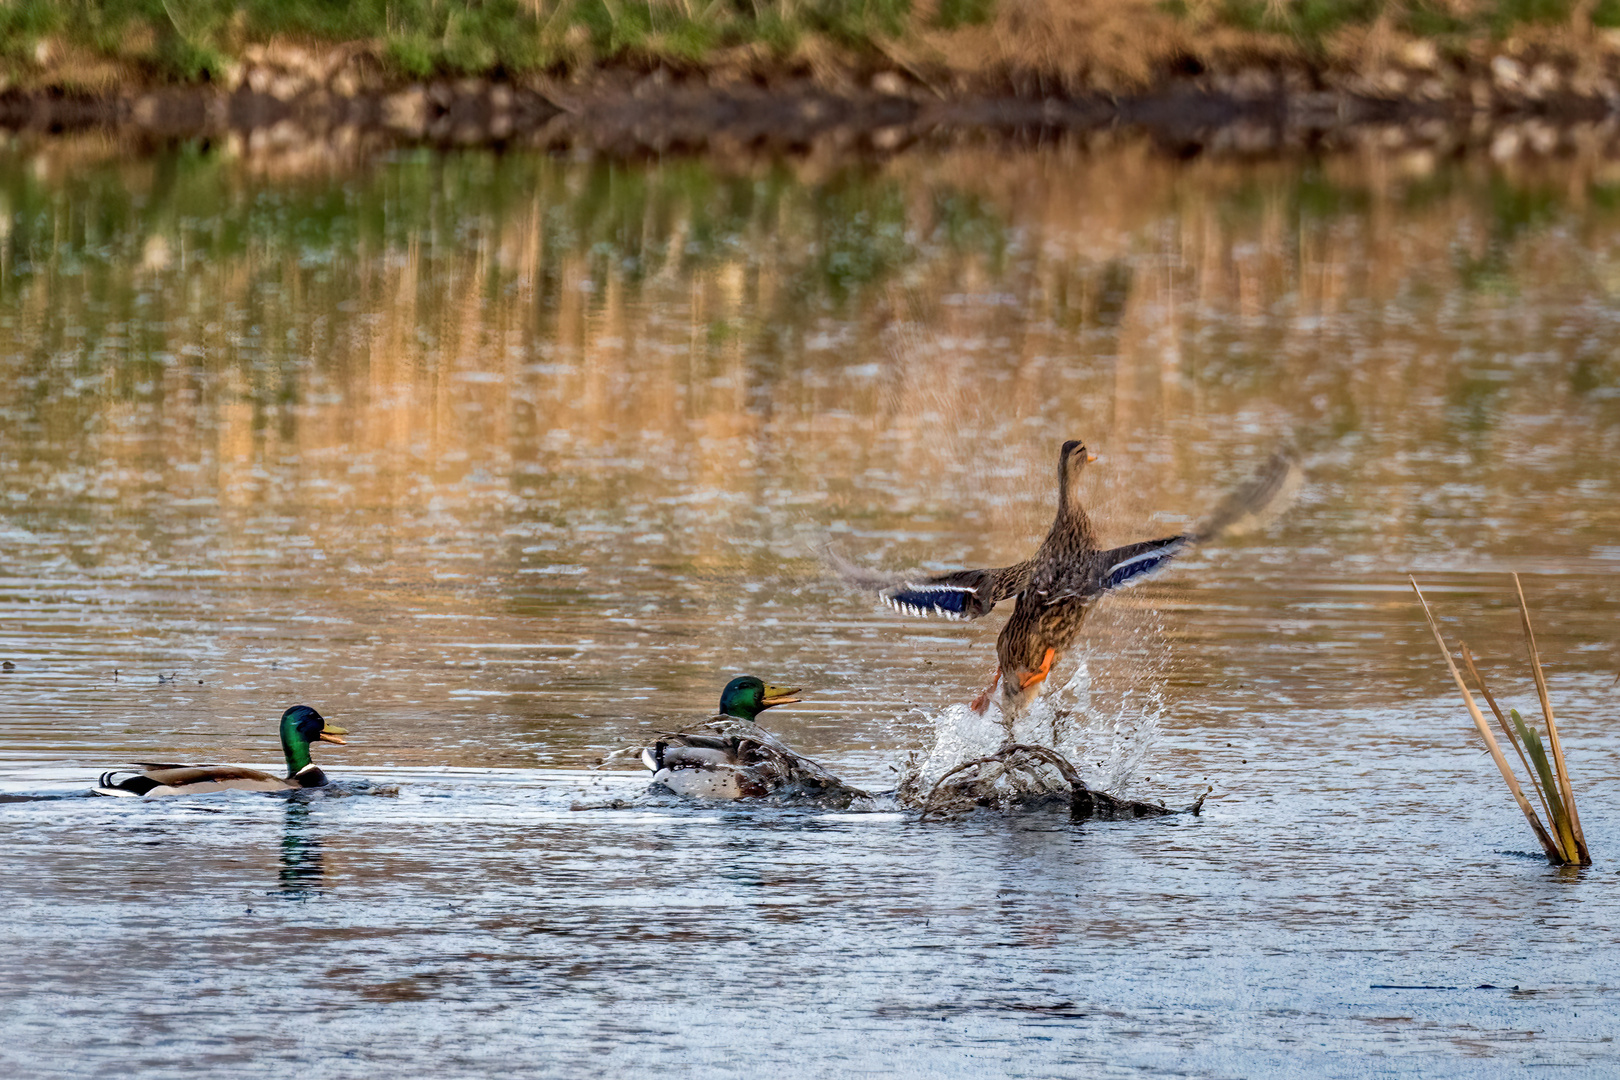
(1030, 678)
(982, 702)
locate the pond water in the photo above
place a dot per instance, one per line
(503, 461)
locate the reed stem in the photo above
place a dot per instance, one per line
(1576, 837)
(1555, 853)
(1529, 770)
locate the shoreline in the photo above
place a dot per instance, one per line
(627, 114)
(1245, 76)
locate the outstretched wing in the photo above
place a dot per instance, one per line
(1118, 567)
(959, 594)
(1266, 494)
(1123, 565)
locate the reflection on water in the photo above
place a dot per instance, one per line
(503, 460)
(555, 441)
(302, 863)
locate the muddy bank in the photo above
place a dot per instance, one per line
(293, 101)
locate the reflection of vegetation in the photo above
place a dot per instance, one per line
(574, 231)
(1486, 225)
(859, 240)
(1515, 210)
(1318, 197)
(1474, 401)
(628, 222)
(666, 349)
(1594, 373)
(969, 223)
(1113, 289)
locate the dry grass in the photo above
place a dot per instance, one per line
(1549, 777)
(1027, 46)
(1066, 46)
(1134, 45)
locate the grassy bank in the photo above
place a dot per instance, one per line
(96, 46)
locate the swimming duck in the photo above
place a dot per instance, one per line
(729, 756)
(300, 726)
(1056, 587)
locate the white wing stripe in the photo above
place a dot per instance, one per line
(1146, 556)
(905, 607)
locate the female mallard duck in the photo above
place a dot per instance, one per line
(1056, 587)
(300, 726)
(731, 757)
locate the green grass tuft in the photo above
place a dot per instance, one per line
(1544, 771)
(193, 40)
(955, 13)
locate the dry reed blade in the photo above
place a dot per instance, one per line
(1565, 789)
(1529, 770)
(1555, 854)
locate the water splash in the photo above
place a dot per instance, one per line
(1108, 745)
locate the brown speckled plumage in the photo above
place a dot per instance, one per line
(756, 761)
(732, 757)
(1065, 578)
(1056, 587)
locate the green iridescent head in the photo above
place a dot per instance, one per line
(300, 726)
(746, 697)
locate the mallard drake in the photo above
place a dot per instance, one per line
(729, 756)
(300, 726)
(1056, 587)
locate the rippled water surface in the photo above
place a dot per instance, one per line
(504, 461)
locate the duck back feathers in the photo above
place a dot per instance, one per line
(192, 780)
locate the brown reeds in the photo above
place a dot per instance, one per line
(1565, 844)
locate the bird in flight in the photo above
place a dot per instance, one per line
(1069, 573)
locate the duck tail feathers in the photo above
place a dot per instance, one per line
(129, 787)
